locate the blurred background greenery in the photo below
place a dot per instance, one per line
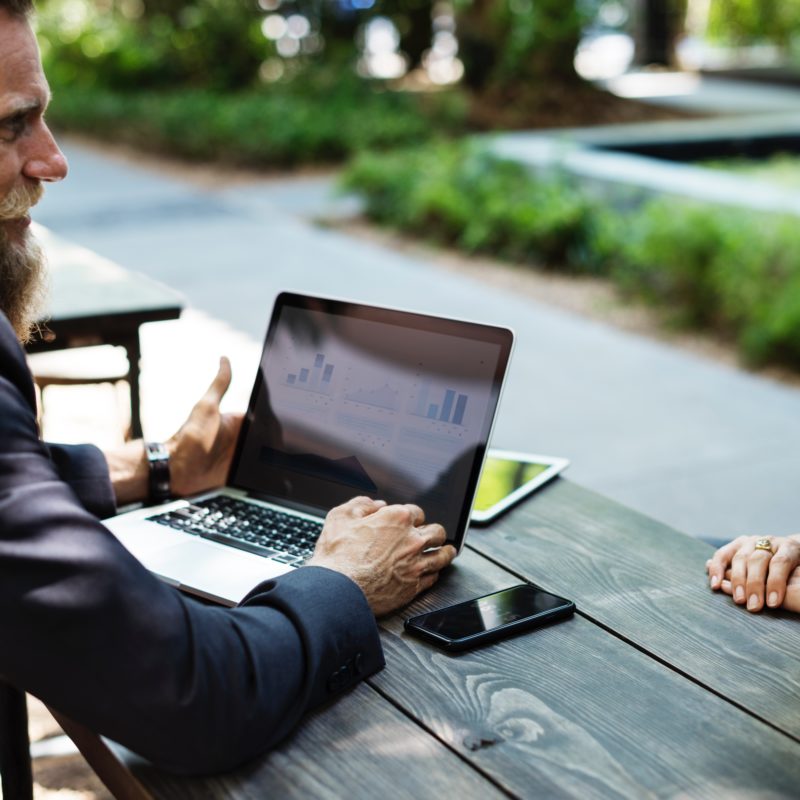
(734, 271)
(276, 83)
(327, 78)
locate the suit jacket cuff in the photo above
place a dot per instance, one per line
(337, 626)
(84, 468)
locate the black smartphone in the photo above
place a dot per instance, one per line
(491, 617)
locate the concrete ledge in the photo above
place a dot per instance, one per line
(598, 154)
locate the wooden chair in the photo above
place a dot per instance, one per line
(79, 367)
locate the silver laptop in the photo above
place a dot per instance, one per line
(349, 400)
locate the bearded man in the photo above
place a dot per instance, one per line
(22, 279)
(83, 626)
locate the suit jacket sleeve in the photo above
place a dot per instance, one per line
(83, 467)
(85, 627)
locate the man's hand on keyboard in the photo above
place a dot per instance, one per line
(386, 550)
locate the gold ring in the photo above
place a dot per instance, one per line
(764, 544)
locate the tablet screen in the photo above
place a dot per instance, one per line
(508, 477)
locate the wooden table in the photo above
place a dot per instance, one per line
(95, 301)
(656, 688)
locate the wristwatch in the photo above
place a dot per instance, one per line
(158, 479)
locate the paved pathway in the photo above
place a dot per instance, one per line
(701, 446)
(705, 94)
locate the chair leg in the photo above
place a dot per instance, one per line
(15, 759)
(39, 406)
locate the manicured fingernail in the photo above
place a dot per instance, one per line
(714, 581)
(753, 601)
(772, 600)
(739, 594)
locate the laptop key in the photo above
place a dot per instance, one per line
(189, 511)
(250, 547)
(287, 558)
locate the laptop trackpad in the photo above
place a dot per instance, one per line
(219, 572)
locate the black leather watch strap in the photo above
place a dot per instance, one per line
(158, 481)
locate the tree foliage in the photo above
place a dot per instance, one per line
(128, 45)
(504, 42)
(745, 21)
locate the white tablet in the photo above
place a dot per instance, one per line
(508, 477)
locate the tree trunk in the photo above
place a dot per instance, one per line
(656, 29)
(416, 32)
(519, 44)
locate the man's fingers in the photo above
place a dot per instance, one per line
(216, 391)
(433, 535)
(426, 581)
(357, 508)
(417, 514)
(437, 560)
(233, 422)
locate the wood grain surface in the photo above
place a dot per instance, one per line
(612, 703)
(572, 711)
(359, 747)
(647, 583)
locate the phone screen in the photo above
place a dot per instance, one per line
(490, 612)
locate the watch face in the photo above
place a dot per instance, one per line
(156, 451)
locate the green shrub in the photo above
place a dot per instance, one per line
(284, 125)
(666, 254)
(728, 269)
(758, 282)
(461, 194)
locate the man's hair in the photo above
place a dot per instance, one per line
(17, 8)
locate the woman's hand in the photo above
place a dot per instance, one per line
(753, 575)
(791, 600)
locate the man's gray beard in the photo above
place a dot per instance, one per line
(23, 284)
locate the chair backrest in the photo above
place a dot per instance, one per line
(15, 757)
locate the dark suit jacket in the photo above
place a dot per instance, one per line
(87, 629)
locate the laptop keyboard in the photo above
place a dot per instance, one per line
(263, 531)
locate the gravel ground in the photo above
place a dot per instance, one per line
(62, 777)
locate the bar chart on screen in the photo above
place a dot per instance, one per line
(442, 405)
(316, 377)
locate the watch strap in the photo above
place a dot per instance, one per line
(159, 477)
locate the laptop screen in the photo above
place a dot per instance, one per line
(358, 400)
